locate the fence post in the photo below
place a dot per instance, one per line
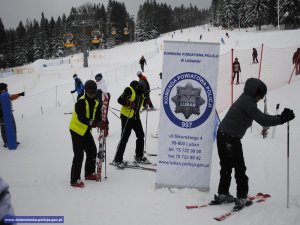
(261, 56)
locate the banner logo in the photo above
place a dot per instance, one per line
(188, 100)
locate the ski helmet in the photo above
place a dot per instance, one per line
(90, 87)
(3, 86)
(98, 77)
(139, 73)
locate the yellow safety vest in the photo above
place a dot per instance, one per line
(76, 125)
(128, 112)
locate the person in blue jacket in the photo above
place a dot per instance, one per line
(79, 87)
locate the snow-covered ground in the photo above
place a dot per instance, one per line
(39, 170)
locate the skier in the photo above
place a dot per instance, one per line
(131, 100)
(142, 62)
(87, 115)
(230, 132)
(143, 82)
(222, 41)
(6, 208)
(227, 35)
(102, 92)
(79, 87)
(200, 36)
(3, 88)
(296, 61)
(236, 70)
(254, 55)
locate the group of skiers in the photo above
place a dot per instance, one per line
(87, 115)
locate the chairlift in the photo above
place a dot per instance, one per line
(96, 37)
(113, 31)
(68, 40)
(126, 31)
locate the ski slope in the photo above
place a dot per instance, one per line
(39, 170)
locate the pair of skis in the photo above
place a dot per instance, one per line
(138, 166)
(258, 198)
(101, 155)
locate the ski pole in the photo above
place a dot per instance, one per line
(104, 147)
(114, 113)
(288, 164)
(146, 130)
(274, 128)
(73, 97)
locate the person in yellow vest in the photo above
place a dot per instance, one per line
(132, 100)
(87, 115)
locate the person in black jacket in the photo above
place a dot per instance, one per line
(143, 82)
(142, 62)
(230, 132)
(254, 55)
(236, 67)
(131, 100)
(87, 115)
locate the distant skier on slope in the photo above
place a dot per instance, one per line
(236, 67)
(142, 62)
(79, 87)
(254, 55)
(230, 132)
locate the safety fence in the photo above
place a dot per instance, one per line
(274, 67)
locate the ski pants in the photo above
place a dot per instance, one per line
(3, 130)
(129, 124)
(237, 73)
(83, 144)
(231, 157)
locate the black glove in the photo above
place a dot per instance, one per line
(22, 94)
(287, 115)
(72, 92)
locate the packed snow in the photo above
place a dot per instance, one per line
(38, 172)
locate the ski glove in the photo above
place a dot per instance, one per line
(131, 105)
(22, 94)
(72, 92)
(94, 124)
(287, 115)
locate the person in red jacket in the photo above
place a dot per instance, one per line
(296, 61)
(3, 88)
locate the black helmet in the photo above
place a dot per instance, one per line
(98, 77)
(75, 76)
(3, 86)
(90, 87)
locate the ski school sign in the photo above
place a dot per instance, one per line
(186, 124)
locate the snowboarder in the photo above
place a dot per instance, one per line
(254, 55)
(142, 62)
(3, 88)
(296, 61)
(143, 82)
(131, 100)
(230, 132)
(79, 87)
(236, 67)
(86, 115)
(102, 92)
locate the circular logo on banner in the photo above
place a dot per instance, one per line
(188, 100)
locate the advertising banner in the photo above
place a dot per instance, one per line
(187, 115)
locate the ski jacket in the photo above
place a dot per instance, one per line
(79, 87)
(296, 56)
(143, 61)
(144, 84)
(244, 110)
(86, 109)
(130, 95)
(236, 67)
(6, 208)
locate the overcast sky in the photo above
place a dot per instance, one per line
(14, 11)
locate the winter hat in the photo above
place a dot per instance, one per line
(90, 86)
(75, 76)
(139, 73)
(134, 84)
(3, 86)
(255, 87)
(98, 77)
